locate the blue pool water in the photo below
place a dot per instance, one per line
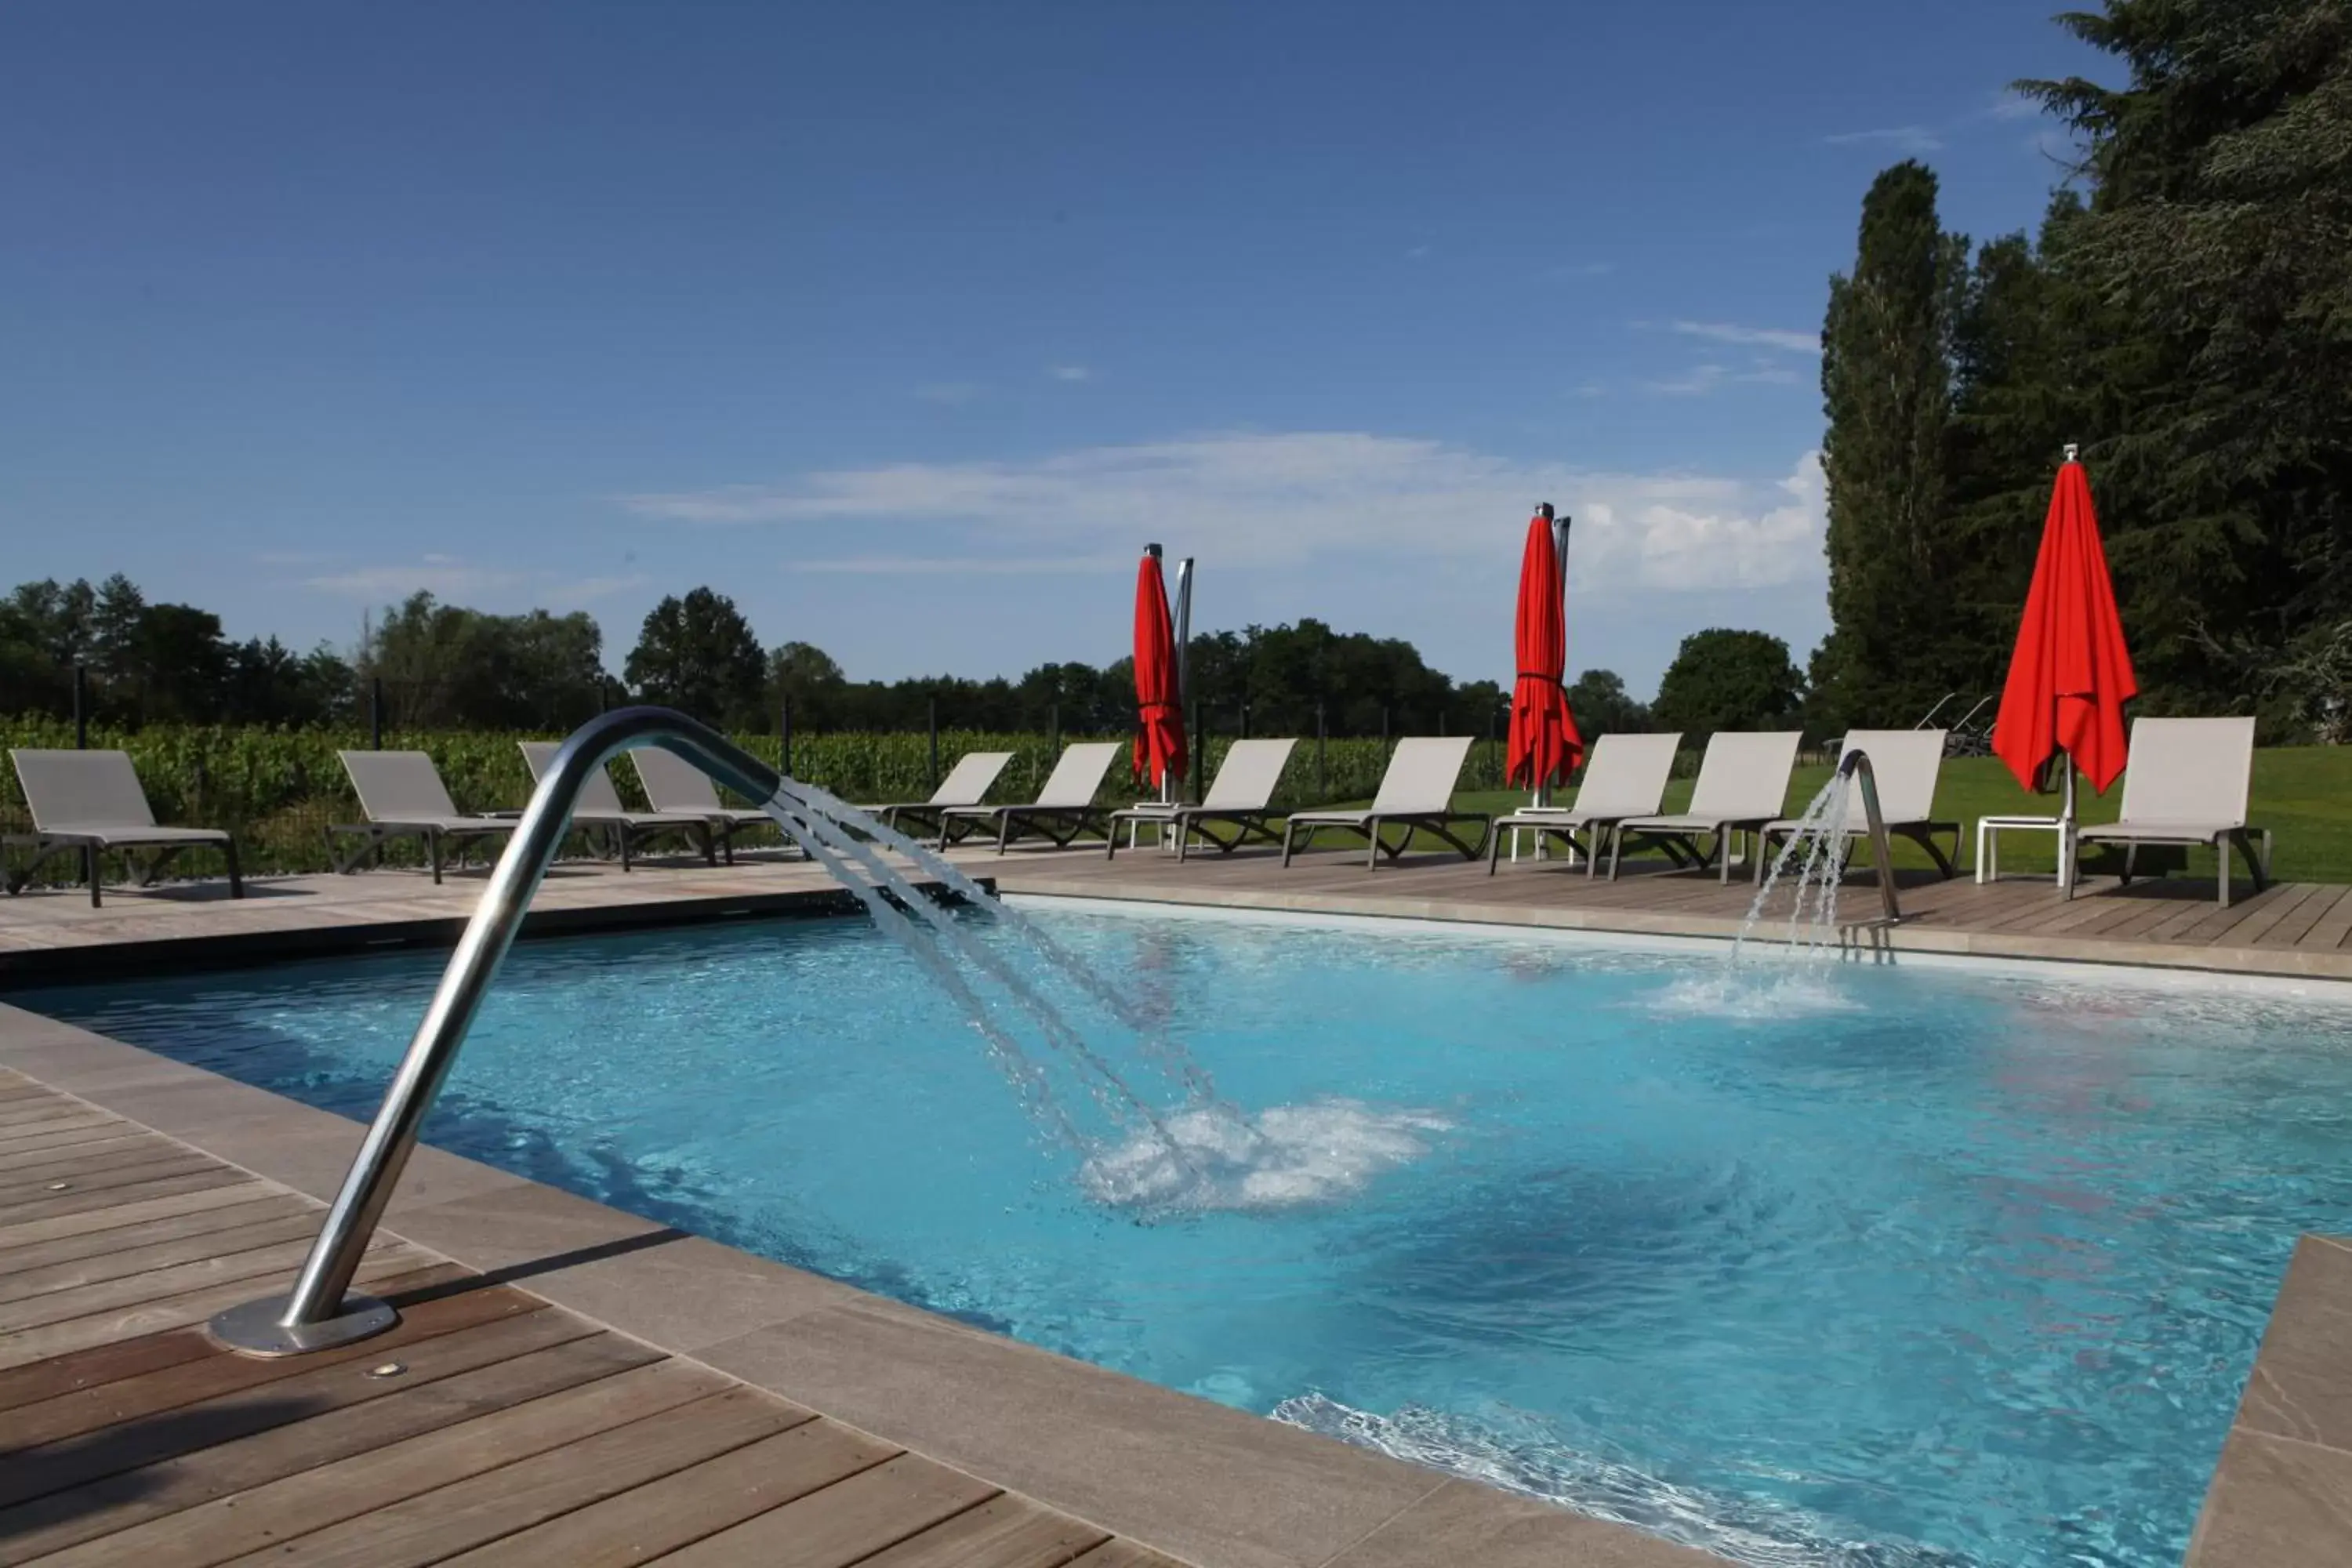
(1920, 1266)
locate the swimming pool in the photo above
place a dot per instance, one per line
(1937, 1266)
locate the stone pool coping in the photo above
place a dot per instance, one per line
(2282, 1495)
(1196, 1479)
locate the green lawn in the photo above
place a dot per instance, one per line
(2302, 793)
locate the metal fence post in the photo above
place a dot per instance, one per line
(1240, 728)
(1053, 718)
(1200, 745)
(932, 718)
(1384, 730)
(784, 723)
(1322, 770)
(81, 707)
(376, 713)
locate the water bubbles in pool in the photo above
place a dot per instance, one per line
(1739, 992)
(1214, 1158)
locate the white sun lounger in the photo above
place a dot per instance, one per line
(599, 806)
(676, 787)
(91, 801)
(1416, 792)
(1063, 808)
(1743, 783)
(1626, 776)
(403, 797)
(1239, 798)
(2188, 782)
(1906, 763)
(967, 784)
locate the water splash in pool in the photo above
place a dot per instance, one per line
(1790, 993)
(1284, 1158)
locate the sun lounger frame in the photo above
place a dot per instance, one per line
(1629, 768)
(1240, 797)
(125, 798)
(1423, 771)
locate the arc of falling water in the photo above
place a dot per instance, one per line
(924, 928)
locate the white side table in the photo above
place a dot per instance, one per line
(1990, 828)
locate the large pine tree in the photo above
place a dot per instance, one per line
(1887, 385)
(2219, 239)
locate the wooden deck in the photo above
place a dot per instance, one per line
(2299, 928)
(2290, 929)
(489, 1426)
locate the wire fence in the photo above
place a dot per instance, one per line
(278, 791)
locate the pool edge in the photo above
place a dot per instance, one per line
(2281, 1496)
(1199, 1480)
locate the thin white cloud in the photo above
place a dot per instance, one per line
(1571, 271)
(950, 392)
(1751, 337)
(2009, 104)
(1417, 253)
(965, 565)
(596, 587)
(1696, 381)
(1069, 372)
(447, 576)
(1287, 500)
(439, 575)
(1902, 138)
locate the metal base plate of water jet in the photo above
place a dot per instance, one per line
(255, 1328)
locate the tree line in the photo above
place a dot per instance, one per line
(439, 666)
(2184, 313)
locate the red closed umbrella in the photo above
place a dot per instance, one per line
(1544, 743)
(1158, 706)
(2071, 673)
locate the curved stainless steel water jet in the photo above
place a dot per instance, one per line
(317, 1314)
(1855, 765)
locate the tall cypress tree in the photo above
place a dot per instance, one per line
(1886, 384)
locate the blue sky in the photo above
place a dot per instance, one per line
(905, 325)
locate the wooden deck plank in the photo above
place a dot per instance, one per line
(2219, 922)
(16, 1284)
(678, 1509)
(259, 1521)
(158, 1284)
(25, 1114)
(218, 1373)
(141, 1234)
(501, 1501)
(76, 1129)
(175, 1312)
(115, 1505)
(41, 1158)
(2290, 932)
(32, 1116)
(61, 1204)
(847, 1522)
(1005, 1532)
(2255, 927)
(15, 1233)
(32, 1188)
(2334, 930)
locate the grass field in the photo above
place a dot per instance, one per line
(2302, 793)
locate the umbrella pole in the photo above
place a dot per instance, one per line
(2067, 828)
(1183, 630)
